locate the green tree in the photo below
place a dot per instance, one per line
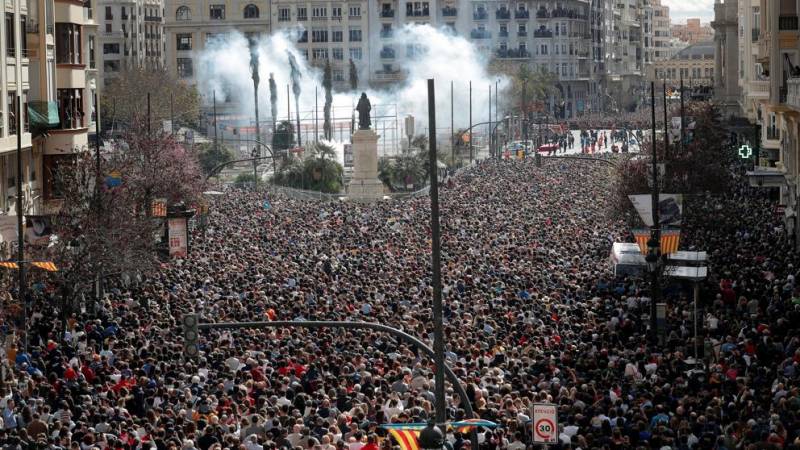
(533, 88)
(211, 156)
(318, 171)
(327, 83)
(283, 139)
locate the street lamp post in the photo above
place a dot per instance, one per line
(653, 245)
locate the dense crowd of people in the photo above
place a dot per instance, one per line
(532, 314)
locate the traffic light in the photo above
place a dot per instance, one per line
(190, 336)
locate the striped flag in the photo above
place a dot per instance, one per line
(9, 265)
(670, 240)
(466, 426)
(159, 207)
(46, 265)
(407, 439)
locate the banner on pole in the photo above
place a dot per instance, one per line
(178, 238)
(545, 423)
(668, 244)
(670, 208)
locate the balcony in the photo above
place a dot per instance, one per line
(787, 23)
(152, 19)
(418, 13)
(502, 14)
(502, 33)
(543, 33)
(522, 14)
(124, 16)
(386, 34)
(755, 32)
(449, 11)
(387, 53)
(480, 34)
(567, 13)
(522, 33)
(480, 14)
(542, 13)
(512, 53)
(388, 75)
(793, 93)
(387, 13)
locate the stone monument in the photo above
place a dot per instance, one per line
(364, 184)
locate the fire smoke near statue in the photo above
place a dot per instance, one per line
(224, 68)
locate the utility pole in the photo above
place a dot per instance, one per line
(148, 113)
(254, 65)
(216, 141)
(491, 139)
(452, 126)
(683, 118)
(525, 113)
(470, 122)
(438, 328)
(316, 114)
(655, 231)
(20, 234)
(496, 141)
(289, 108)
(666, 125)
(171, 114)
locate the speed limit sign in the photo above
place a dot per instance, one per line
(545, 423)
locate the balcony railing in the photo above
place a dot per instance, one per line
(480, 34)
(522, 33)
(522, 14)
(787, 23)
(152, 19)
(449, 11)
(502, 14)
(418, 13)
(480, 15)
(387, 33)
(387, 54)
(793, 92)
(542, 13)
(567, 13)
(542, 33)
(512, 53)
(502, 33)
(387, 13)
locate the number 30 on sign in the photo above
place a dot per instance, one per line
(545, 423)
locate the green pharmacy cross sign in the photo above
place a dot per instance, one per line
(745, 151)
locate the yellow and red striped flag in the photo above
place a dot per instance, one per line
(670, 240)
(159, 207)
(9, 265)
(407, 439)
(46, 265)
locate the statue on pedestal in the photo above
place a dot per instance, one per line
(364, 107)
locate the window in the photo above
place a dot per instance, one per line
(417, 9)
(68, 43)
(111, 66)
(109, 15)
(337, 36)
(284, 15)
(70, 108)
(336, 12)
(319, 35)
(184, 41)
(304, 52)
(183, 13)
(185, 69)
(355, 34)
(23, 44)
(338, 75)
(251, 12)
(110, 49)
(355, 11)
(544, 49)
(338, 54)
(320, 53)
(11, 46)
(216, 12)
(302, 13)
(356, 54)
(108, 28)
(319, 12)
(92, 62)
(12, 113)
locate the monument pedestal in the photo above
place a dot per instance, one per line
(364, 184)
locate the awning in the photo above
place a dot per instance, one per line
(43, 114)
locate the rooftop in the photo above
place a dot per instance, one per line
(700, 50)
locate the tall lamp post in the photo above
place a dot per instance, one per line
(256, 80)
(653, 257)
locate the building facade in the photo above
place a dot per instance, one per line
(726, 56)
(695, 64)
(693, 31)
(130, 35)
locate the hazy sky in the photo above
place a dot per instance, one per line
(679, 10)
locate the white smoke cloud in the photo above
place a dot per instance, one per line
(225, 68)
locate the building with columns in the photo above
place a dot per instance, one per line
(726, 56)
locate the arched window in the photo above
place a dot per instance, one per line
(251, 12)
(183, 13)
